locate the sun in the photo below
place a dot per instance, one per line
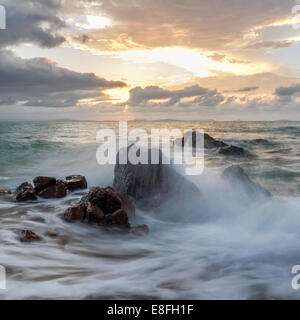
(118, 95)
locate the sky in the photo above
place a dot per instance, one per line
(150, 60)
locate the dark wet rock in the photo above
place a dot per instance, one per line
(108, 200)
(96, 196)
(113, 202)
(75, 213)
(238, 178)
(94, 214)
(29, 236)
(150, 185)
(41, 183)
(56, 191)
(75, 182)
(119, 218)
(23, 186)
(234, 151)
(104, 207)
(209, 142)
(5, 192)
(25, 192)
(140, 230)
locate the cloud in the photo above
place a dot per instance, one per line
(247, 89)
(288, 91)
(270, 45)
(33, 21)
(40, 82)
(156, 96)
(198, 24)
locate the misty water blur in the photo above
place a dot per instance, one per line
(225, 245)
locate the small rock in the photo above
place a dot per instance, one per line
(140, 230)
(51, 234)
(23, 186)
(5, 192)
(113, 202)
(75, 213)
(29, 236)
(41, 183)
(25, 192)
(94, 213)
(56, 191)
(119, 218)
(75, 182)
(96, 196)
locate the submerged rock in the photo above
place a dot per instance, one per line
(209, 142)
(29, 236)
(150, 185)
(56, 191)
(140, 230)
(75, 182)
(25, 192)
(234, 151)
(238, 178)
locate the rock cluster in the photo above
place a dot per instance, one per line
(49, 188)
(211, 143)
(101, 206)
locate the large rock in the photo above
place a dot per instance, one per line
(75, 182)
(41, 183)
(150, 185)
(237, 177)
(25, 192)
(56, 191)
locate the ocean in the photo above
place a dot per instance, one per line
(228, 246)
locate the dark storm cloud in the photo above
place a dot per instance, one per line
(33, 21)
(40, 82)
(155, 96)
(288, 91)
